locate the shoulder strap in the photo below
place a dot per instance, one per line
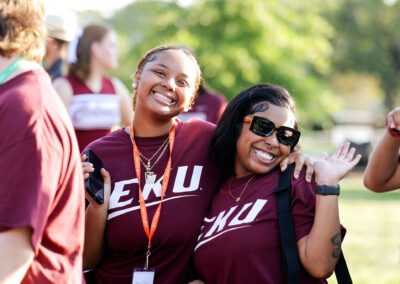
(342, 272)
(288, 237)
(286, 228)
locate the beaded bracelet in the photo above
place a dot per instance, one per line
(392, 131)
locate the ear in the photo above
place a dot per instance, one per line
(136, 78)
(192, 101)
(94, 48)
(190, 104)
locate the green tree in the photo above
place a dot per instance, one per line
(368, 41)
(240, 43)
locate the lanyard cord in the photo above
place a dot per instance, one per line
(150, 230)
(10, 69)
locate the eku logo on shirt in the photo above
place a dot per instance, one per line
(120, 190)
(239, 216)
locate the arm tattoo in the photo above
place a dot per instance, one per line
(336, 241)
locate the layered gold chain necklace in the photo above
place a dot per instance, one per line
(149, 174)
(237, 198)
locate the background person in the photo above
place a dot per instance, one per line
(61, 30)
(41, 188)
(383, 170)
(239, 240)
(96, 102)
(208, 106)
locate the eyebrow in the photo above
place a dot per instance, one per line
(166, 67)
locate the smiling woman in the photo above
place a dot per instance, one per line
(256, 132)
(157, 161)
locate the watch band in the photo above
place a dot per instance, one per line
(327, 190)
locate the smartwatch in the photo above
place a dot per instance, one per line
(327, 190)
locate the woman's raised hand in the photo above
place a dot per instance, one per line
(393, 119)
(330, 170)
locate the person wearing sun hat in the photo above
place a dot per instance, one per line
(61, 29)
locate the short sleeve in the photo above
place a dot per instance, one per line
(26, 179)
(303, 205)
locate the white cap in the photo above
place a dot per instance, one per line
(61, 27)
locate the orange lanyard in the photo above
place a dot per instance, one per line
(143, 211)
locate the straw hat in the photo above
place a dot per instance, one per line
(61, 27)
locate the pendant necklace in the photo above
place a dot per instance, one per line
(150, 177)
(237, 199)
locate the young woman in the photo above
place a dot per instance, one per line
(158, 158)
(383, 170)
(95, 102)
(239, 240)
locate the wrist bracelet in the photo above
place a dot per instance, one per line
(327, 190)
(392, 131)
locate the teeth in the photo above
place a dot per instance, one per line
(263, 155)
(163, 98)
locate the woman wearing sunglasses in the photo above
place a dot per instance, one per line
(239, 240)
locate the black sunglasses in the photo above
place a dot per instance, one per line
(264, 128)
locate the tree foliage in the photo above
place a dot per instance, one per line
(240, 43)
(368, 41)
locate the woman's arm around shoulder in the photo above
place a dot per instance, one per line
(319, 251)
(125, 101)
(64, 90)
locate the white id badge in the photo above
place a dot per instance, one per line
(143, 276)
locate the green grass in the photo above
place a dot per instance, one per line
(372, 242)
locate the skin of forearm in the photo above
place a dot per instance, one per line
(16, 254)
(383, 172)
(322, 246)
(95, 225)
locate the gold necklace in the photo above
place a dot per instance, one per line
(237, 199)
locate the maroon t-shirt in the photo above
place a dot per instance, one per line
(41, 184)
(239, 241)
(207, 106)
(193, 182)
(93, 114)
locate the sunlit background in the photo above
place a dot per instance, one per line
(339, 59)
